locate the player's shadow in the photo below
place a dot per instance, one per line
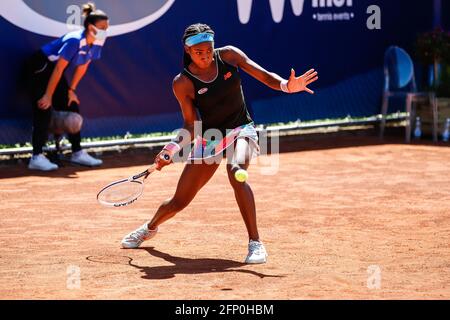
(192, 266)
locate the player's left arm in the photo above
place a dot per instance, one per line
(79, 73)
(238, 58)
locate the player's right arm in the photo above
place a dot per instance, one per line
(183, 90)
(46, 101)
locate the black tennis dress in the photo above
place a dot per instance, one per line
(220, 102)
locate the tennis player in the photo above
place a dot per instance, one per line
(210, 83)
(51, 91)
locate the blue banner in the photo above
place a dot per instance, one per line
(130, 88)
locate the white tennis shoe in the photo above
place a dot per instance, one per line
(256, 253)
(134, 239)
(83, 158)
(40, 162)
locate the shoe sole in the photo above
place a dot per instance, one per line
(125, 247)
(44, 170)
(85, 165)
(256, 262)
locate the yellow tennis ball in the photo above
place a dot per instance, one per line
(241, 175)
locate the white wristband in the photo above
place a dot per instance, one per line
(172, 148)
(284, 86)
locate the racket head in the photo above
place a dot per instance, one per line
(120, 193)
(124, 192)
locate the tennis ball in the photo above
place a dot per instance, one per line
(241, 175)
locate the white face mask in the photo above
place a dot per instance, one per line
(101, 34)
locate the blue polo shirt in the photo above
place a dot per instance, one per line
(73, 47)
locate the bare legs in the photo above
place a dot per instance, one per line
(195, 176)
(242, 190)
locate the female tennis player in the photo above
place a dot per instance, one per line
(210, 83)
(49, 87)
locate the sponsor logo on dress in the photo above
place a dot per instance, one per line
(227, 76)
(203, 91)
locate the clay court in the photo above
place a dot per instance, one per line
(334, 209)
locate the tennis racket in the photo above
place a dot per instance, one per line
(126, 191)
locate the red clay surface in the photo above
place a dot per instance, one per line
(325, 218)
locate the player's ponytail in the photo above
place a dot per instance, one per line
(190, 31)
(92, 15)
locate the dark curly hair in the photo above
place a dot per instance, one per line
(192, 30)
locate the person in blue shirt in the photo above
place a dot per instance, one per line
(52, 94)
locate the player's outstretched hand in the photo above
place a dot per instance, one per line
(297, 84)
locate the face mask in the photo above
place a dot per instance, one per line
(101, 34)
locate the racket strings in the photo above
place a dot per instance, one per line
(121, 193)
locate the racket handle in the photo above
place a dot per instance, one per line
(147, 172)
(140, 175)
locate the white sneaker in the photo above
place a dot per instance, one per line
(134, 239)
(256, 253)
(40, 162)
(83, 158)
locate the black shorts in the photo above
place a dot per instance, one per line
(39, 72)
